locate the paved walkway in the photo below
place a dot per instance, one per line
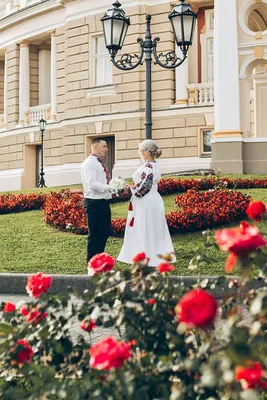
(100, 333)
(15, 283)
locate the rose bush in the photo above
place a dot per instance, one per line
(197, 308)
(100, 263)
(240, 242)
(256, 210)
(251, 376)
(38, 284)
(164, 344)
(109, 353)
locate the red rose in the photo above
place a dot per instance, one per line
(151, 302)
(165, 267)
(108, 353)
(9, 307)
(38, 284)
(139, 257)
(88, 326)
(23, 351)
(102, 262)
(197, 308)
(24, 311)
(255, 210)
(34, 314)
(250, 376)
(238, 241)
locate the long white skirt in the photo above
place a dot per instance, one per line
(150, 233)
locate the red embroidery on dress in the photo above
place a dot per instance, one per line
(146, 186)
(130, 206)
(132, 222)
(143, 176)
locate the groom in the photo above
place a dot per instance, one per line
(96, 190)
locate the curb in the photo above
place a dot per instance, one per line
(16, 283)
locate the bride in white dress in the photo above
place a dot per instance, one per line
(146, 228)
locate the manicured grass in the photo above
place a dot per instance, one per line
(43, 190)
(29, 245)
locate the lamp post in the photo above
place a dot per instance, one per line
(115, 26)
(42, 126)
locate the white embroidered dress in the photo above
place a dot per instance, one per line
(146, 227)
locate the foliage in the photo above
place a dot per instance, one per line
(11, 203)
(35, 201)
(165, 345)
(198, 210)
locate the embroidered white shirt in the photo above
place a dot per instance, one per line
(94, 180)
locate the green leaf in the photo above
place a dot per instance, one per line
(6, 329)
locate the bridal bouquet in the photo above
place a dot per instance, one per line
(117, 185)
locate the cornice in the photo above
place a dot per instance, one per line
(31, 12)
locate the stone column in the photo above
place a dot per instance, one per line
(44, 75)
(226, 69)
(24, 81)
(181, 81)
(53, 76)
(5, 91)
(227, 146)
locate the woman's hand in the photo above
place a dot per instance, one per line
(127, 189)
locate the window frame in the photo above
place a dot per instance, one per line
(201, 152)
(93, 57)
(206, 35)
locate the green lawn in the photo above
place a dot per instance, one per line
(29, 245)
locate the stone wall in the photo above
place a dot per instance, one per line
(11, 152)
(12, 85)
(2, 75)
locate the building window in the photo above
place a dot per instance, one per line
(206, 39)
(102, 74)
(210, 74)
(205, 141)
(257, 19)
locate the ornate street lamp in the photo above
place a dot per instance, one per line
(115, 26)
(42, 126)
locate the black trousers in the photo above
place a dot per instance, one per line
(98, 220)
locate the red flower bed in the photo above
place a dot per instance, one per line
(64, 210)
(201, 210)
(11, 203)
(198, 210)
(170, 185)
(23, 202)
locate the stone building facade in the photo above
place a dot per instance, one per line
(53, 65)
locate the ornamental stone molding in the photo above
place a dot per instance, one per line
(244, 13)
(244, 73)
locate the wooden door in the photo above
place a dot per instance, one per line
(38, 163)
(110, 156)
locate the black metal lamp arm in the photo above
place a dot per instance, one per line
(126, 61)
(171, 60)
